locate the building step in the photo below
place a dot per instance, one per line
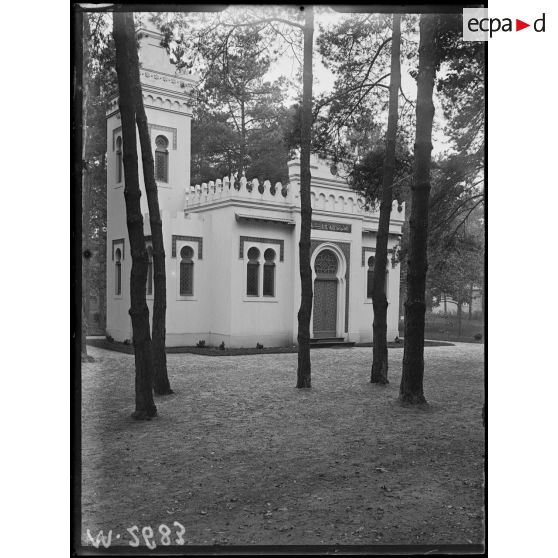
(324, 342)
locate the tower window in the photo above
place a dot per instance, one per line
(253, 272)
(118, 272)
(269, 273)
(150, 270)
(186, 271)
(118, 160)
(162, 159)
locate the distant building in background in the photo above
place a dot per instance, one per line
(446, 304)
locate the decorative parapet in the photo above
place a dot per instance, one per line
(241, 190)
(328, 195)
(325, 199)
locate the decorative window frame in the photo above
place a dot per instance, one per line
(245, 244)
(167, 134)
(166, 153)
(163, 131)
(259, 240)
(119, 162)
(118, 243)
(117, 133)
(115, 244)
(177, 238)
(176, 248)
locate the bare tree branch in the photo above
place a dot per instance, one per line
(265, 20)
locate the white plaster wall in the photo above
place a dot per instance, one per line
(262, 319)
(365, 316)
(187, 316)
(220, 250)
(118, 320)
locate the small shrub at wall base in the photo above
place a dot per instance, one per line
(201, 344)
(109, 338)
(222, 346)
(259, 346)
(127, 342)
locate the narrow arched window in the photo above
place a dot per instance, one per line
(186, 271)
(370, 277)
(118, 159)
(150, 270)
(269, 273)
(118, 272)
(253, 272)
(386, 283)
(162, 159)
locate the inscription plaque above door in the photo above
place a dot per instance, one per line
(335, 227)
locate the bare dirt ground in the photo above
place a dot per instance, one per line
(238, 455)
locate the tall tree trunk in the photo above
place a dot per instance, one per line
(471, 302)
(125, 43)
(84, 90)
(411, 387)
(86, 231)
(379, 300)
(459, 316)
(161, 383)
(445, 304)
(305, 310)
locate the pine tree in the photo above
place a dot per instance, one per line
(125, 45)
(379, 299)
(411, 387)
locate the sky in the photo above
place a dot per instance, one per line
(288, 66)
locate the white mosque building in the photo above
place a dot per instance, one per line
(232, 246)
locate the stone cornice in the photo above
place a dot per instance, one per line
(157, 100)
(257, 204)
(178, 83)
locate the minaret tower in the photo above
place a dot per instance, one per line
(167, 97)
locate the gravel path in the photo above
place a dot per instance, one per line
(238, 455)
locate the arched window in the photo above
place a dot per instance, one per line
(186, 271)
(253, 272)
(118, 272)
(150, 270)
(370, 277)
(118, 159)
(269, 273)
(162, 159)
(326, 263)
(386, 283)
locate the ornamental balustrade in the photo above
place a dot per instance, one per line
(322, 198)
(229, 188)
